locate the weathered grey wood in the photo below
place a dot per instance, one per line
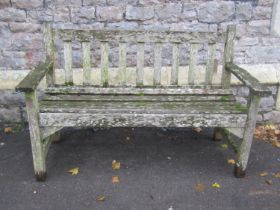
(48, 140)
(139, 35)
(48, 131)
(34, 77)
(105, 64)
(142, 97)
(140, 107)
(245, 147)
(140, 64)
(210, 64)
(250, 81)
(193, 60)
(228, 55)
(122, 62)
(176, 90)
(39, 161)
(175, 64)
(49, 50)
(86, 63)
(232, 136)
(157, 63)
(68, 62)
(140, 120)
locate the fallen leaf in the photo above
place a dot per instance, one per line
(270, 127)
(277, 132)
(277, 175)
(101, 198)
(197, 129)
(275, 143)
(115, 179)
(231, 161)
(264, 174)
(268, 182)
(8, 130)
(116, 165)
(224, 146)
(216, 185)
(199, 187)
(73, 171)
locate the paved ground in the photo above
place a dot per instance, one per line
(159, 170)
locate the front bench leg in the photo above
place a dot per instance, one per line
(245, 147)
(39, 160)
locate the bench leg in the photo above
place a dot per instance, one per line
(56, 137)
(245, 147)
(39, 160)
(217, 135)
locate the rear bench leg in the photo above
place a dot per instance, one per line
(217, 135)
(39, 160)
(245, 147)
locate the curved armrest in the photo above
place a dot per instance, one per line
(34, 77)
(248, 80)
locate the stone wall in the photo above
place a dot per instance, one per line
(21, 34)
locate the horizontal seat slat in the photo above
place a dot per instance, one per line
(140, 97)
(142, 120)
(139, 106)
(176, 90)
(138, 35)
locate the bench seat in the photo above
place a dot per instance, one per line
(139, 107)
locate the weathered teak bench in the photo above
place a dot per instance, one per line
(172, 105)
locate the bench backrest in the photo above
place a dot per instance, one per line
(139, 37)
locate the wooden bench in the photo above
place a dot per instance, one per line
(138, 104)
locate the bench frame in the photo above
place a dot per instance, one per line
(41, 137)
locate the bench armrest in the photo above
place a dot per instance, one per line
(34, 77)
(250, 81)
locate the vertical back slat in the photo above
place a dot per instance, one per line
(49, 50)
(157, 63)
(175, 64)
(104, 63)
(68, 62)
(228, 55)
(86, 63)
(210, 64)
(122, 62)
(140, 64)
(193, 60)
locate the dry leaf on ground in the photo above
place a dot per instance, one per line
(264, 174)
(101, 198)
(275, 143)
(73, 171)
(199, 187)
(268, 182)
(197, 129)
(116, 165)
(115, 179)
(231, 161)
(277, 175)
(8, 130)
(216, 185)
(224, 146)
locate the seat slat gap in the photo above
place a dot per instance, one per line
(105, 63)
(193, 60)
(140, 64)
(68, 62)
(175, 64)
(86, 54)
(157, 63)
(122, 62)
(210, 64)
